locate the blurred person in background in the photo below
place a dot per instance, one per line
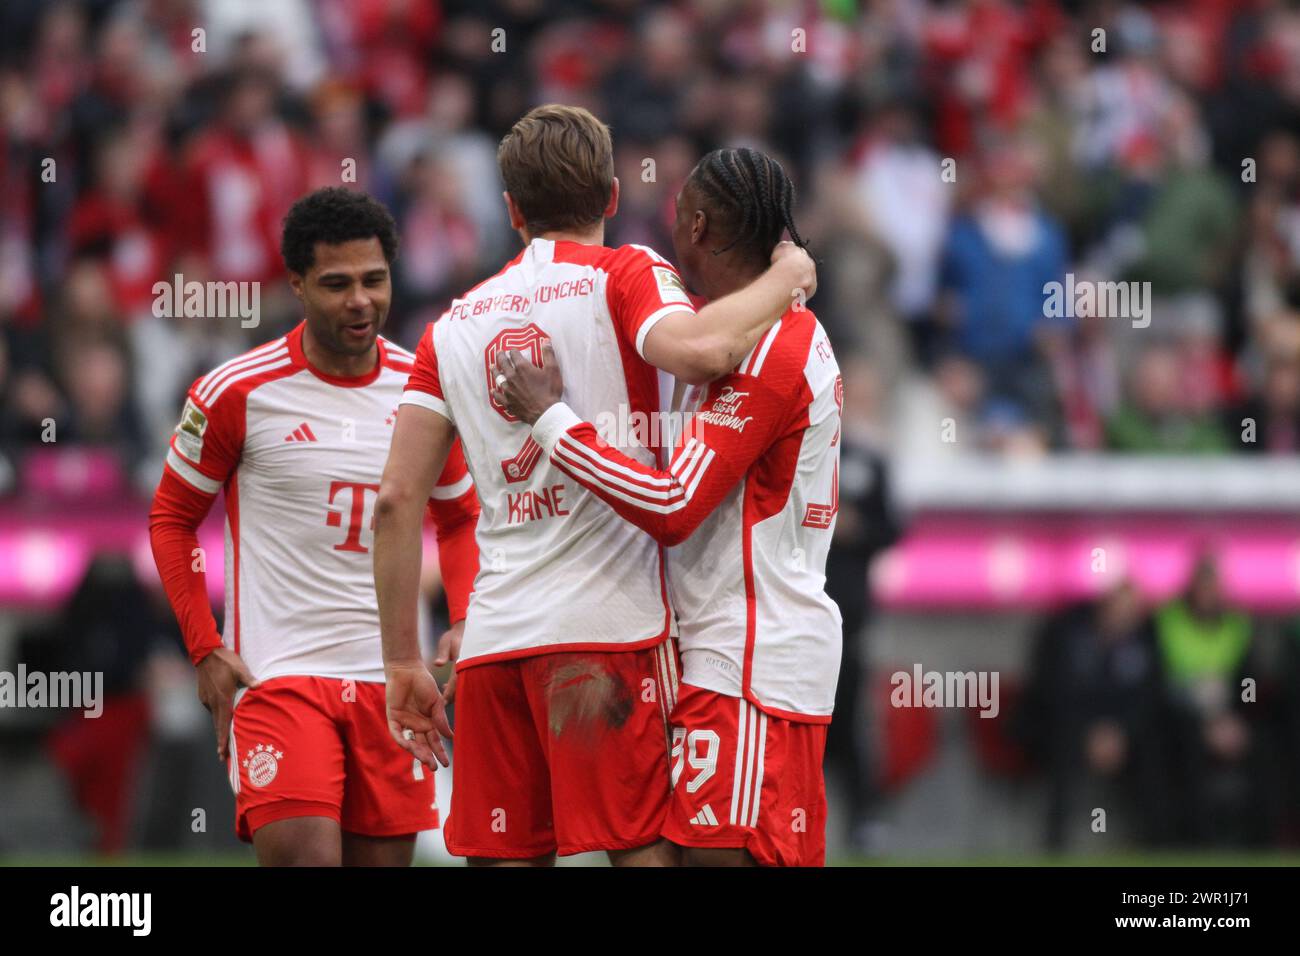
(1269, 267)
(1090, 718)
(287, 33)
(1288, 740)
(96, 376)
(1274, 412)
(30, 398)
(9, 427)
(866, 526)
(109, 626)
(953, 393)
(1126, 94)
(645, 89)
(242, 173)
(952, 413)
(1154, 417)
(383, 44)
(1183, 208)
(447, 129)
(979, 57)
(1054, 114)
(1216, 751)
(439, 236)
(647, 206)
(112, 221)
(906, 206)
(1169, 222)
(997, 258)
(340, 153)
(856, 271)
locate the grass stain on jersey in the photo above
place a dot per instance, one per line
(585, 698)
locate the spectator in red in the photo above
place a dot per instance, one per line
(385, 45)
(243, 172)
(980, 57)
(111, 221)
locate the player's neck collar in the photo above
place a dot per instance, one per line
(299, 356)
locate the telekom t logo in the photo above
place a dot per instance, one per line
(356, 513)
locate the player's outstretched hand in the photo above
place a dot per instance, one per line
(449, 653)
(524, 389)
(417, 715)
(799, 264)
(220, 674)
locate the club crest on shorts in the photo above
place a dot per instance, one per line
(262, 764)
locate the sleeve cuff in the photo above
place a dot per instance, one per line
(651, 320)
(199, 654)
(413, 396)
(555, 421)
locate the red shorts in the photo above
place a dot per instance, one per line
(562, 752)
(320, 747)
(742, 778)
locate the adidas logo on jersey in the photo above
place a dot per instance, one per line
(302, 433)
(705, 817)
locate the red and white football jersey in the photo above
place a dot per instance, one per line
(299, 454)
(558, 569)
(748, 503)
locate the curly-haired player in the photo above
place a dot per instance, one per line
(295, 433)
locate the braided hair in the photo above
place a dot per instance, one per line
(752, 195)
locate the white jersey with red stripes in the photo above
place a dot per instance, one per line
(558, 569)
(299, 454)
(748, 506)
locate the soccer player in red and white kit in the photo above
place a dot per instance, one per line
(295, 433)
(567, 666)
(747, 506)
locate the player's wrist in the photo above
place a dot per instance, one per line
(553, 423)
(204, 655)
(403, 664)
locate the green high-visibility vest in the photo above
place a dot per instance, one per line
(1193, 648)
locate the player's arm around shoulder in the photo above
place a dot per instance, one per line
(698, 348)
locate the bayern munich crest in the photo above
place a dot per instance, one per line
(262, 764)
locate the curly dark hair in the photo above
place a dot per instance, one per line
(334, 215)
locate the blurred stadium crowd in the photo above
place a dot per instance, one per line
(1125, 164)
(1172, 157)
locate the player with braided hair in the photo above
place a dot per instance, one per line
(749, 184)
(747, 507)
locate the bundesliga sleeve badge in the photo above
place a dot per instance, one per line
(670, 286)
(189, 433)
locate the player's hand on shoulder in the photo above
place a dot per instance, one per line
(798, 265)
(524, 389)
(417, 715)
(220, 674)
